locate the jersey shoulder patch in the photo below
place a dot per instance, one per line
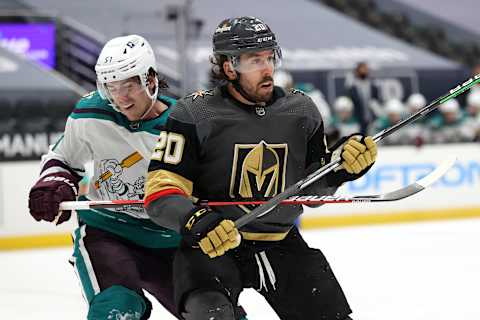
(199, 94)
(198, 106)
(296, 91)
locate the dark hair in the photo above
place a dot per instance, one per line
(361, 64)
(217, 73)
(162, 82)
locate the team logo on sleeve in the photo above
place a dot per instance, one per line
(297, 91)
(200, 93)
(258, 170)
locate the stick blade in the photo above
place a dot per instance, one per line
(436, 174)
(420, 184)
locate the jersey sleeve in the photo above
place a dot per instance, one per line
(69, 154)
(171, 171)
(318, 154)
(174, 157)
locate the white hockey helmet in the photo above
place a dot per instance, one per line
(416, 101)
(342, 104)
(451, 105)
(473, 99)
(122, 58)
(394, 106)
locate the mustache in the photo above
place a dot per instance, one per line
(266, 79)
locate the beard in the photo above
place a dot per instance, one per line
(258, 93)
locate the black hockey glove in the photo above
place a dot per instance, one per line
(357, 154)
(206, 229)
(45, 196)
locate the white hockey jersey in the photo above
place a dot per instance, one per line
(120, 151)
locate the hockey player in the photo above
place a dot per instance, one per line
(394, 112)
(247, 139)
(344, 122)
(117, 253)
(418, 132)
(472, 121)
(452, 122)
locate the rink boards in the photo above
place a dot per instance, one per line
(454, 196)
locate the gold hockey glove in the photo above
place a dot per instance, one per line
(221, 239)
(357, 155)
(206, 229)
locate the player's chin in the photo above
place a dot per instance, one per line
(265, 92)
(263, 96)
(131, 115)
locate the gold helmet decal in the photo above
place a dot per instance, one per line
(258, 170)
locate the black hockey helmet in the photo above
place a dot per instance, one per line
(235, 36)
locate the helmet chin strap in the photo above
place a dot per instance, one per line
(153, 97)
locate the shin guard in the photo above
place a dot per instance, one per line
(117, 302)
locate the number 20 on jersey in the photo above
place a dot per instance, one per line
(169, 148)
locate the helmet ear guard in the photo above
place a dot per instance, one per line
(122, 58)
(153, 95)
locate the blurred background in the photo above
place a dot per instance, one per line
(366, 63)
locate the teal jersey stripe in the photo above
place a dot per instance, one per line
(80, 264)
(58, 142)
(140, 231)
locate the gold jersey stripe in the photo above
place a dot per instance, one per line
(257, 236)
(160, 180)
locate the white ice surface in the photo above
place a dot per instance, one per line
(427, 271)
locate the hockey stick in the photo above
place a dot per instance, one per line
(395, 195)
(316, 175)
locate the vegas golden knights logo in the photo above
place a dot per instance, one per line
(258, 170)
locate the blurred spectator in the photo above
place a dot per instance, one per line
(415, 102)
(449, 125)
(343, 121)
(394, 112)
(416, 133)
(319, 99)
(472, 121)
(365, 96)
(283, 79)
(475, 71)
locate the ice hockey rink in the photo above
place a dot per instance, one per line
(415, 271)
